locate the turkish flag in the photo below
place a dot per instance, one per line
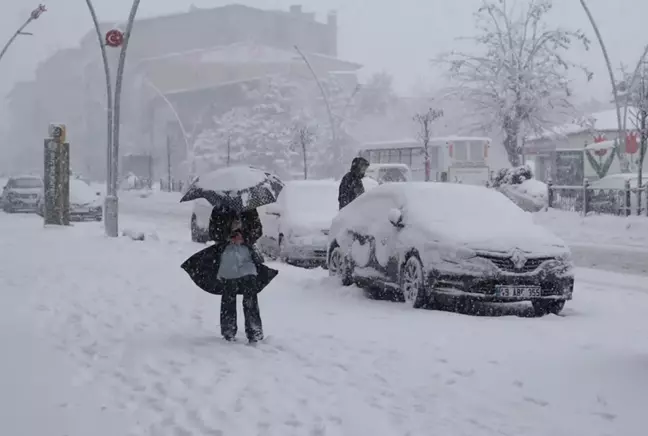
(632, 144)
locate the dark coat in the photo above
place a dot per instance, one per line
(203, 266)
(351, 186)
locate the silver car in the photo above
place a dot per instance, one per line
(22, 194)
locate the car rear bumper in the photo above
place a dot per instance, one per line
(552, 287)
(21, 205)
(86, 216)
(304, 253)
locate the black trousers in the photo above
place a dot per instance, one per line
(247, 287)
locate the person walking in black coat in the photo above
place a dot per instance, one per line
(351, 186)
(237, 270)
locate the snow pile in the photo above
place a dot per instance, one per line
(628, 232)
(369, 183)
(519, 185)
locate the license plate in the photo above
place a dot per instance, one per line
(518, 291)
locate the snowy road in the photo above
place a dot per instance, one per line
(142, 342)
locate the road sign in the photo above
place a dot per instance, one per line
(114, 38)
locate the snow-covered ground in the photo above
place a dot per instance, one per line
(102, 335)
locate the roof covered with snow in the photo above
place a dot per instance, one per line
(603, 121)
(411, 142)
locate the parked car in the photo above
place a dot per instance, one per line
(85, 202)
(428, 240)
(21, 194)
(295, 228)
(200, 217)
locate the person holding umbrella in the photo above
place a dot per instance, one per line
(232, 266)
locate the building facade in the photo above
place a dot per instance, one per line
(181, 68)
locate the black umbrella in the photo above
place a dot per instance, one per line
(237, 188)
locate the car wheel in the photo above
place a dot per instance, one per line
(7, 209)
(197, 235)
(338, 266)
(546, 307)
(412, 282)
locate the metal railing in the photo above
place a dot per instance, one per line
(173, 185)
(587, 200)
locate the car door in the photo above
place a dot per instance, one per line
(270, 216)
(368, 247)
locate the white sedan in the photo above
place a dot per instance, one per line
(85, 202)
(295, 228)
(429, 240)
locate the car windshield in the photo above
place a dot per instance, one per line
(392, 175)
(25, 182)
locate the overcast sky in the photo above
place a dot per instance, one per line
(399, 36)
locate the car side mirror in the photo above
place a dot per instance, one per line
(395, 217)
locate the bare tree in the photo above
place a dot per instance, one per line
(519, 80)
(303, 138)
(424, 121)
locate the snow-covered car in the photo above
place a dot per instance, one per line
(85, 202)
(295, 228)
(200, 216)
(428, 240)
(21, 194)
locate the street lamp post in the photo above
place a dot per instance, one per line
(111, 206)
(109, 99)
(112, 201)
(33, 16)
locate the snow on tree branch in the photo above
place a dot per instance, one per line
(261, 132)
(519, 79)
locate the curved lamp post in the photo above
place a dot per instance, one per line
(35, 14)
(185, 135)
(608, 63)
(113, 118)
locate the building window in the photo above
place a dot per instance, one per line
(460, 151)
(477, 151)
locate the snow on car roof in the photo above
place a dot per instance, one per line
(451, 201)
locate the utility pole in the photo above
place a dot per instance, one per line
(168, 151)
(643, 135)
(34, 15)
(229, 149)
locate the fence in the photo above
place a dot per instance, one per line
(585, 199)
(174, 186)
